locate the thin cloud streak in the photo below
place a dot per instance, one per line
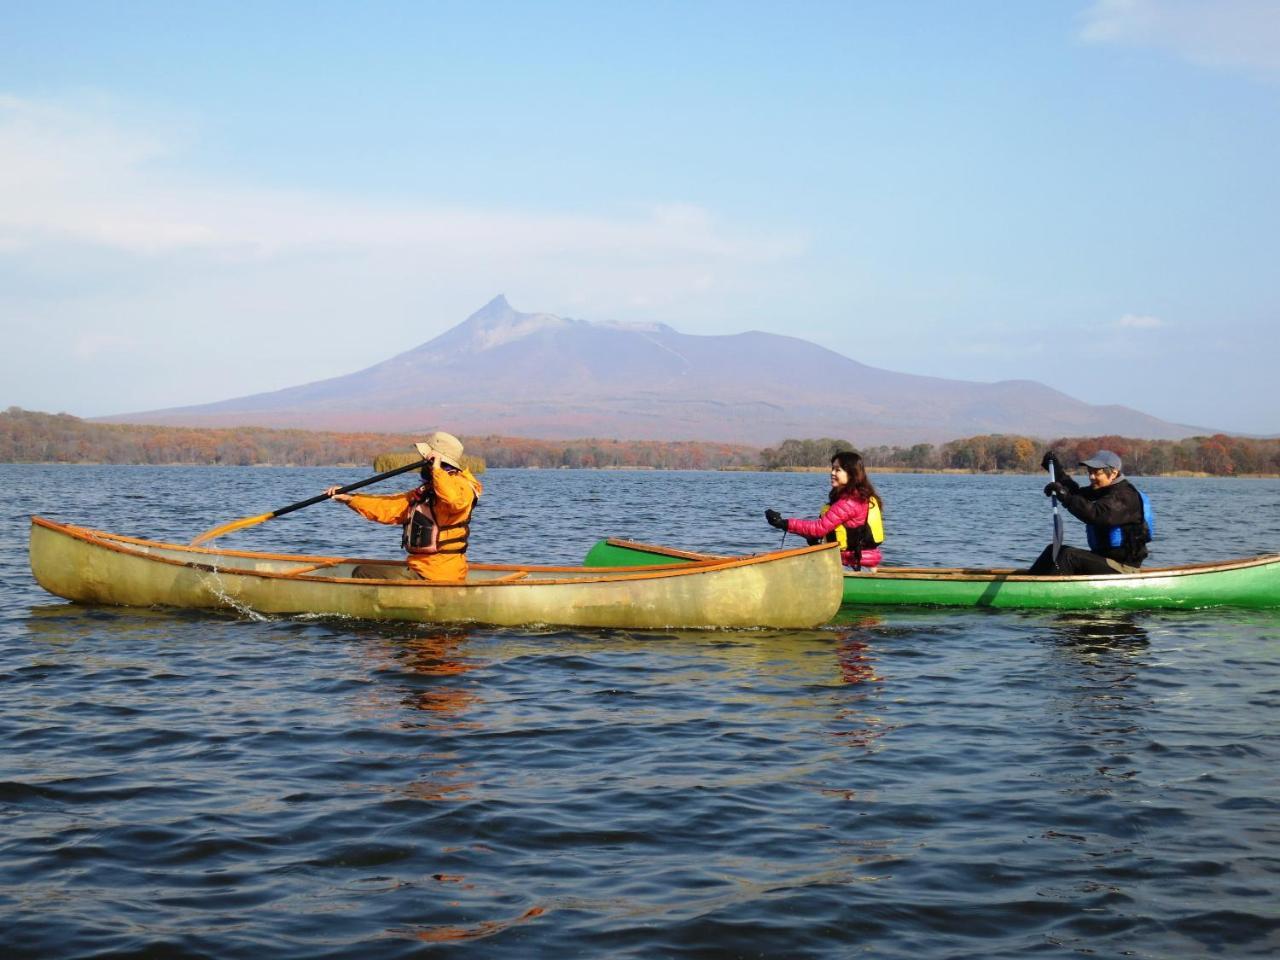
(87, 180)
(1136, 321)
(1225, 34)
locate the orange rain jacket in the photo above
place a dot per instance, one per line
(456, 495)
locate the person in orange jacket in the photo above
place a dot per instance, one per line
(436, 516)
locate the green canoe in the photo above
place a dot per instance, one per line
(1252, 582)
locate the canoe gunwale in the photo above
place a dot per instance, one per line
(1249, 582)
(994, 573)
(516, 574)
(771, 591)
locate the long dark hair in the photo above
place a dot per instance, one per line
(859, 484)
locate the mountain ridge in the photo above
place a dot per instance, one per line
(501, 371)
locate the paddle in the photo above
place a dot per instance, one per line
(254, 521)
(1057, 517)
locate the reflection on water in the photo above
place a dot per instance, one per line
(904, 784)
(1097, 745)
(854, 655)
(435, 656)
(418, 687)
(855, 724)
(1098, 748)
(1115, 628)
(486, 928)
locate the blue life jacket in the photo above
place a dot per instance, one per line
(1112, 538)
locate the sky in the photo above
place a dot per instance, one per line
(203, 200)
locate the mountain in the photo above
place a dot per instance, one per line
(538, 375)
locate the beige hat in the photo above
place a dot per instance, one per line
(445, 446)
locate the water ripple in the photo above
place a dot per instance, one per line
(901, 784)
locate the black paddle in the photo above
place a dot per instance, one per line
(254, 521)
(1057, 517)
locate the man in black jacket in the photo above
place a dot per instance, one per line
(1114, 513)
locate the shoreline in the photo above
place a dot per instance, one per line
(346, 465)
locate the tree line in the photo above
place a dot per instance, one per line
(28, 436)
(1217, 455)
(651, 454)
(32, 437)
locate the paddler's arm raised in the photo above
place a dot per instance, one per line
(455, 489)
(381, 508)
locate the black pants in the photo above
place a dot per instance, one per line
(1073, 560)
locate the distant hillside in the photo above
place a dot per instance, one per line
(31, 437)
(539, 375)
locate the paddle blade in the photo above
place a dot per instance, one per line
(230, 528)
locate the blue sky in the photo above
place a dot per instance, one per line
(204, 200)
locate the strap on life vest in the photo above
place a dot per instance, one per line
(875, 521)
(426, 495)
(458, 545)
(420, 532)
(865, 537)
(1131, 536)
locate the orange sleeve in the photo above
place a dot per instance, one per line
(388, 508)
(455, 490)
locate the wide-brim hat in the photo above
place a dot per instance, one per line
(446, 447)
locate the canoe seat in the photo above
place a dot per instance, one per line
(312, 567)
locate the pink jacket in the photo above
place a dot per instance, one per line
(849, 511)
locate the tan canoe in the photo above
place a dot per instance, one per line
(787, 589)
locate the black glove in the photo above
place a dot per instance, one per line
(1055, 489)
(1049, 458)
(775, 519)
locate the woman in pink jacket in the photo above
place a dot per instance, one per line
(853, 509)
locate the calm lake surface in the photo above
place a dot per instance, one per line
(901, 784)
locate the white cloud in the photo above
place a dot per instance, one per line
(1233, 34)
(112, 246)
(70, 173)
(1136, 321)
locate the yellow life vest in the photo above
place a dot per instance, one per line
(872, 528)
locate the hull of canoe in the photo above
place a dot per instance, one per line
(787, 589)
(1250, 583)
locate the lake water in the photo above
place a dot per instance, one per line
(901, 784)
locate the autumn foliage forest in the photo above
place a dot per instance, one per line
(1217, 455)
(31, 437)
